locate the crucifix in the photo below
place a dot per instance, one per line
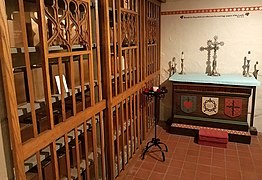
(212, 46)
(209, 48)
(214, 63)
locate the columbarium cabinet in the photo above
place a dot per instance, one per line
(73, 72)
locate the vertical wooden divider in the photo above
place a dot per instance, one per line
(29, 81)
(131, 124)
(82, 81)
(126, 69)
(117, 139)
(9, 90)
(135, 119)
(46, 77)
(123, 133)
(99, 79)
(107, 84)
(60, 72)
(127, 128)
(86, 151)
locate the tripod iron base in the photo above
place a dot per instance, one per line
(155, 142)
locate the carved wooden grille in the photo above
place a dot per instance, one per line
(56, 42)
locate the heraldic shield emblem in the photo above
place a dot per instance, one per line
(188, 104)
(233, 107)
(210, 105)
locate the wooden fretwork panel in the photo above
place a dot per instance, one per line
(124, 37)
(56, 67)
(152, 37)
(126, 130)
(59, 122)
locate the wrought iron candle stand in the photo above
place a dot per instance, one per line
(156, 95)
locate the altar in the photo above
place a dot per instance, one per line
(213, 101)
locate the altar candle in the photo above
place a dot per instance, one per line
(248, 55)
(182, 55)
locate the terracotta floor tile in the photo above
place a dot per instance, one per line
(218, 163)
(191, 158)
(180, 157)
(192, 152)
(138, 163)
(182, 145)
(187, 174)
(255, 150)
(245, 154)
(202, 176)
(203, 168)
(153, 156)
(204, 161)
(190, 166)
(180, 151)
(174, 171)
(245, 167)
(206, 148)
(171, 177)
(249, 176)
(257, 156)
(184, 139)
(217, 177)
(217, 150)
(142, 173)
(233, 165)
(232, 158)
(242, 147)
(232, 146)
(230, 152)
(166, 162)
(230, 173)
(160, 168)
(147, 166)
(218, 171)
(176, 163)
(258, 169)
(186, 160)
(205, 154)
(194, 146)
(128, 177)
(219, 157)
(137, 178)
(156, 176)
(132, 172)
(258, 175)
(171, 147)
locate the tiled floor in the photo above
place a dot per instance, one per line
(187, 160)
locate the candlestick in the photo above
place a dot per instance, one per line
(182, 63)
(249, 55)
(244, 66)
(182, 55)
(255, 73)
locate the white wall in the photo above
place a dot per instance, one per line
(240, 35)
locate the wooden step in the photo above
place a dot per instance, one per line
(193, 130)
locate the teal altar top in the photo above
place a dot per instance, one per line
(224, 79)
